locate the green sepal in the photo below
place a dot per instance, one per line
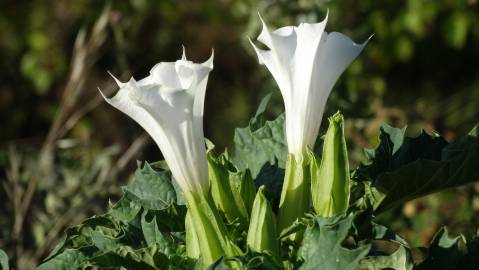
(232, 190)
(242, 184)
(192, 244)
(330, 188)
(210, 230)
(295, 195)
(262, 234)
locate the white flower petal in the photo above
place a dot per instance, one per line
(118, 82)
(164, 73)
(168, 104)
(305, 62)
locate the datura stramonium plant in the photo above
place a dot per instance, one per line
(305, 62)
(168, 104)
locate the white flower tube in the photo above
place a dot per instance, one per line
(168, 104)
(306, 62)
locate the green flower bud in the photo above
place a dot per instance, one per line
(262, 235)
(330, 182)
(232, 190)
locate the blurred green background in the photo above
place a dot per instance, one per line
(64, 152)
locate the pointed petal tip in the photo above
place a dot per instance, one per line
(369, 38)
(259, 15)
(251, 42)
(257, 50)
(183, 56)
(326, 17)
(364, 43)
(212, 53)
(209, 63)
(103, 95)
(117, 81)
(265, 26)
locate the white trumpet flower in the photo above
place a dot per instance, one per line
(306, 62)
(168, 104)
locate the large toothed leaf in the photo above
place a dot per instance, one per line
(154, 189)
(322, 245)
(250, 260)
(151, 189)
(125, 257)
(450, 253)
(260, 143)
(69, 259)
(261, 147)
(398, 260)
(143, 230)
(403, 168)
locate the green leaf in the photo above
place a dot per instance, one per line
(261, 148)
(404, 168)
(395, 150)
(167, 243)
(398, 260)
(272, 178)
(81, 235)
(154, 189)
(104, 242)
(250, 260)
(149, 258)
(374, 231)
(144, 230)
(69, 259)
(260, 143)
(150, 189)
(171, 219)
(4, 260)
(471, 261)
(127, 208)
(151, 231)
(322, 245)
(445, 253)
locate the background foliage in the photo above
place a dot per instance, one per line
(63, 152)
